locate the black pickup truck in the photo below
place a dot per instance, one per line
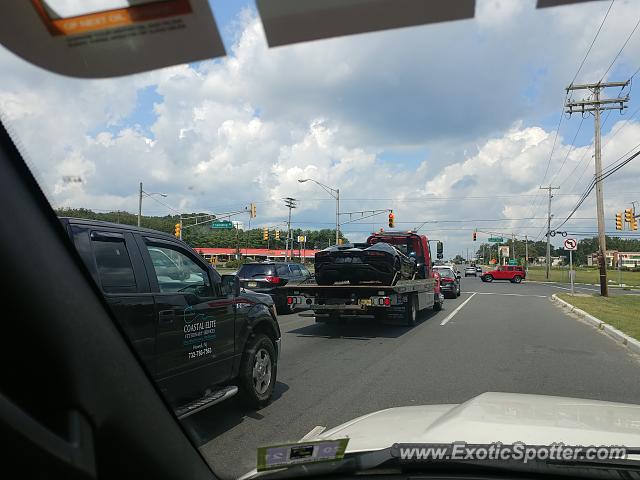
(200, 337)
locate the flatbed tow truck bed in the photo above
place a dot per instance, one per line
(384, 302)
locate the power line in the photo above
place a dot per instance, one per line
(621, 49)
(573, 142)
(537, 205)
(593, 41)
(611, 170)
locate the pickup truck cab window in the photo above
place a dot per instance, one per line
(113, 263)
(176, 272)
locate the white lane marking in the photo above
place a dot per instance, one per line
(510, 294)
(576, 287)
(452, 314)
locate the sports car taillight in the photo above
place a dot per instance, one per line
(272, 279)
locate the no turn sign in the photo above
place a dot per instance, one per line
(570, 244)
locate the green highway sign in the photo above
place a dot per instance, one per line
(224, 224)
(513, 261)
(496, 239)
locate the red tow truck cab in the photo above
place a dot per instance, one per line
(513, 273)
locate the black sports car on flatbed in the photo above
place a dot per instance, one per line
(379, 263)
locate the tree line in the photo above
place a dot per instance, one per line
(206, 237)
(586, 247)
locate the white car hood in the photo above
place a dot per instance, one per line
(495, 417)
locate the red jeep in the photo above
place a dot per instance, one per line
(513, 273)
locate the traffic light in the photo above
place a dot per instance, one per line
(619, 221)
(439, 249)
(177, 230)
(392, 220)
(628, 215)
(634, 224)
(265, 233)
(252, 211)
(277, 234)
(474, 235)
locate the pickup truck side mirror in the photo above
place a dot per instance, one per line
(230, 285)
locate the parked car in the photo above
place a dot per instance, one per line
(449, 281)
(379, 262)
(267, 277)
(470, 271)
(513, 273)
(199, 336)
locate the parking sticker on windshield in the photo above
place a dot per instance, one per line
(279, 456)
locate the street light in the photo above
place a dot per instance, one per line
(335, 193)
(142, 193)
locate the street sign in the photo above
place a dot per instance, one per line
(302, 238)
(513, 261)
(222, 224)
(570, 244)
(496, 239)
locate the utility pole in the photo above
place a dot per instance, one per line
(548, 262)
(526, 253)
(337, 216)
(513, 245)
(597, 105)
(140, 205)
(289, 203)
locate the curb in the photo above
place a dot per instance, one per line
(587, 284)
(629, 342)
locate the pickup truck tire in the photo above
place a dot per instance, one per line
(437, 306)
(284, 309)
(517, 279)
(411, 313)
(257, 375)
(488, 278)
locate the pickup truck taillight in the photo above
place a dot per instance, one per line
(272, 279)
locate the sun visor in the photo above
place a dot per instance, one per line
(558, 3)
(292, 21)
(128, 36)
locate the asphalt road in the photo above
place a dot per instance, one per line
(507, 337)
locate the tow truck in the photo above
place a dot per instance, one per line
(401, 301)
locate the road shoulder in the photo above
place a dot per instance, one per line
(615, 334)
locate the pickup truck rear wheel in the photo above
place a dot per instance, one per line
(437, 305)
(517, 279)
(284, 309)
(488, 278)
(258, 368)
(411, 313)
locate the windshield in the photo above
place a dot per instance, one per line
(496, 140)
(445, 272)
